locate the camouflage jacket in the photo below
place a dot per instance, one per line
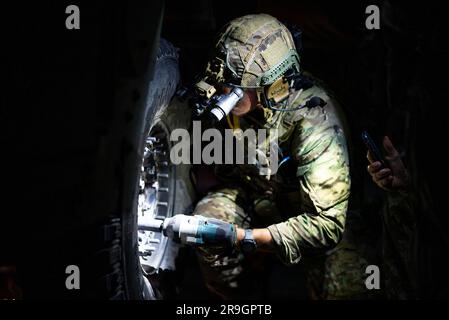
(315, 140)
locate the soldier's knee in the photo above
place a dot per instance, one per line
(207, 208)
(218, 208)
(223, 205)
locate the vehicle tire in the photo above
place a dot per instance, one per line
(114, 268)
(174, 193)
(72, 188)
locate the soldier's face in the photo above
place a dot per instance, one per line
(246, 104)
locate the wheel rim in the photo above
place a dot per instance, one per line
(155, 196)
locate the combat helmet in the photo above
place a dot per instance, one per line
(254, 51)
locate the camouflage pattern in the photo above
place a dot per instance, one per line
(303, 207)
(398, 244)
(414, 246)
(304, 204)
(340, 273)
(319, 147)
(223, 269)
(252, 51)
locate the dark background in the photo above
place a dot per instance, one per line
(59, 88)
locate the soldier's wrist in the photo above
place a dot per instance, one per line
(240, 235)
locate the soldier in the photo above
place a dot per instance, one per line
(399, 261)
(415, 241)
(302, 208)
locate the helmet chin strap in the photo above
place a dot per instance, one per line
(313, 102)
(259, 93)
(284, 107)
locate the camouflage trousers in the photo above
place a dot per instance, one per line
(336, 274)
(341, 273)
(229, 274)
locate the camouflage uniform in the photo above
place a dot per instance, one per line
(304, 204)
(414, 246)
(398, 245)
(317, 196)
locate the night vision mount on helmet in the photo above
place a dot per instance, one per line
(255, 52)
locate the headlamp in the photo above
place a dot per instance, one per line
(208, 105)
